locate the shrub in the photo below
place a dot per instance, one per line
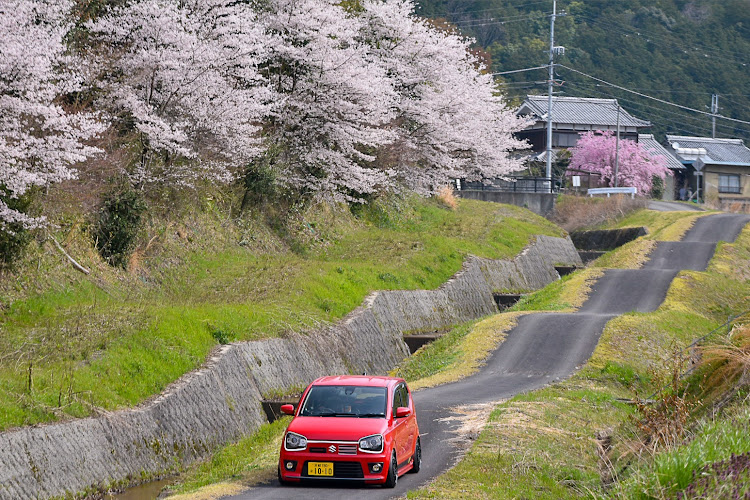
(260, 180)
(14, 237)
(118, 224)
(663, 422)
(577, 212)
(657, 187)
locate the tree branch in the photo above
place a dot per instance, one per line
(76, 265)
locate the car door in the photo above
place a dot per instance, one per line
(412, 422)
(401, 425)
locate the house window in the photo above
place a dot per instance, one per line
(564, 140)
(729, 183)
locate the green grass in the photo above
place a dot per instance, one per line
(251, 459)
(577, 438)
(662, 226)
(566, 294)
(674, 470)
(458, 354)
(436, 356)
(112, 339)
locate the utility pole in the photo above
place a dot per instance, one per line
(714, 112)
(617, 143)
(549, 91)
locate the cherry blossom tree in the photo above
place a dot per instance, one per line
(451, 122)
(326, 88)
(40, 142)
(333, 103)
(596, 152)
(185, 74)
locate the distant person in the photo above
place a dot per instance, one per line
(683, 193)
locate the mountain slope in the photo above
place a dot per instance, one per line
(676, 50)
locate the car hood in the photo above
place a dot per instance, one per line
(337, 428)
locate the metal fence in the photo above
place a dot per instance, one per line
(511, 184)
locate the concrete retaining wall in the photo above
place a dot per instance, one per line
(539, 203)
(221, 402)
(606, 239)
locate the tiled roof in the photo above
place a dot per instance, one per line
(540, 156)
(651, 145)
(715, 151)
(580, 111)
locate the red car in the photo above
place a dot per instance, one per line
(355, 428)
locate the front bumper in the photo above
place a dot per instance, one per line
(371, 468)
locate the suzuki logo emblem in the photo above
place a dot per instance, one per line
(332, 448)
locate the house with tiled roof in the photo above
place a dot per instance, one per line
(673, 183)
(718, 169)
(573, 115)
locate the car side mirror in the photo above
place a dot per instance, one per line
(402, 412)
(287, 409)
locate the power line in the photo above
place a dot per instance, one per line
(498, 9)
(498, 19)
(651, 97)
(684, 118)
(692, 120)
(628, 30)
(664, 111)
(519, 70)
(492, 23)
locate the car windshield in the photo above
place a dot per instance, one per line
(344, 401)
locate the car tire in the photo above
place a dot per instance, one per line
(417, 458)
(282, 482)
(392, 477)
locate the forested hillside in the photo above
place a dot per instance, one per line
(681, 51)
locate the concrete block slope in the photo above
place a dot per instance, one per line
(220, 402)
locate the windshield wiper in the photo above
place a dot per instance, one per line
(336, 415)
(371, 415)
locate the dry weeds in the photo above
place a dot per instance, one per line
(468, 422)
(446, 197)
(212, 492)
(731, 359)
(577, 212)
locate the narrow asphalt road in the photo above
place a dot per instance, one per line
(543, 348)
(673, 206)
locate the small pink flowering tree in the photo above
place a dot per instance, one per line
(40, 142)
(596, 152)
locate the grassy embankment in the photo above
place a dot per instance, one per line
(461, 351)
(584, 437)
(73, 345)
(457, 354)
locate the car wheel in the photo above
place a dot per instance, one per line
(392, 478)
(417, 458)
(282, 482)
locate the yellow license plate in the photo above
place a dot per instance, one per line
(320, 468)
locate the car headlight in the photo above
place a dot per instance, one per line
(294, 442)
(371, 444)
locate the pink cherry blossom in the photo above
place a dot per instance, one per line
(39, 141)
(334, 100)
(186, 73)
(451, 121)
(596, 152)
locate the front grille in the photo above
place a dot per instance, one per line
(347, 470)
(348, 449)
(342, 470)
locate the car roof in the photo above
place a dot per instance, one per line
(364, 380)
